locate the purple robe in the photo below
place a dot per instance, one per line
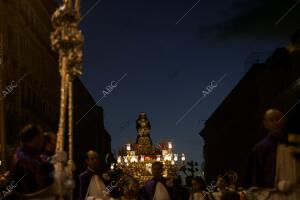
(32, 174)
(147, 192)
(261, 166)
(84, 181)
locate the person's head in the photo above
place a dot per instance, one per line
(274, 122)
(50, 147)
(157, 170)
(198, 183)
(32, 138)
(222, 182)
(142, 115)
(92, 160)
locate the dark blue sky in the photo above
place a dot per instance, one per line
(168, 65)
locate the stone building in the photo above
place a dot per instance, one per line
(236, 125)
(30, 81)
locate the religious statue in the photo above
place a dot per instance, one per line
(143, 128)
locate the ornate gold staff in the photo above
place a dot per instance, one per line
(67, 41)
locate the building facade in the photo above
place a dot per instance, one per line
(30, 80)
(236, 125)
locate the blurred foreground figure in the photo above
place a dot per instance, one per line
(156, 188)
(50, 145)
(272, 171)
(33, 175)
(92, 185)
(179, 192)
(222, 184)
(198, 188)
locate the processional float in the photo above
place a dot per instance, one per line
(67, 40)
(135, 160)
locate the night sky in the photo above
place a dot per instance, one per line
(166, 61)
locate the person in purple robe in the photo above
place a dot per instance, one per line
(156, 188)
(91, 182)
(31, 173)
(261, 165)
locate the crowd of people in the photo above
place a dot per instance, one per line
(272, 172)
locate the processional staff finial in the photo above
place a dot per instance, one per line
(77, 6)
(67, 40)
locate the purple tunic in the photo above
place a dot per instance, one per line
(31, 173)
(147, 192)
(261, 165)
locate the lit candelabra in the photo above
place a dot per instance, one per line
(139, 165)
(67, 41)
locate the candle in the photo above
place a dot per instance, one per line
(175, 157)
(119, 159)
(183, 157)
(170, 145)
(158, 158)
